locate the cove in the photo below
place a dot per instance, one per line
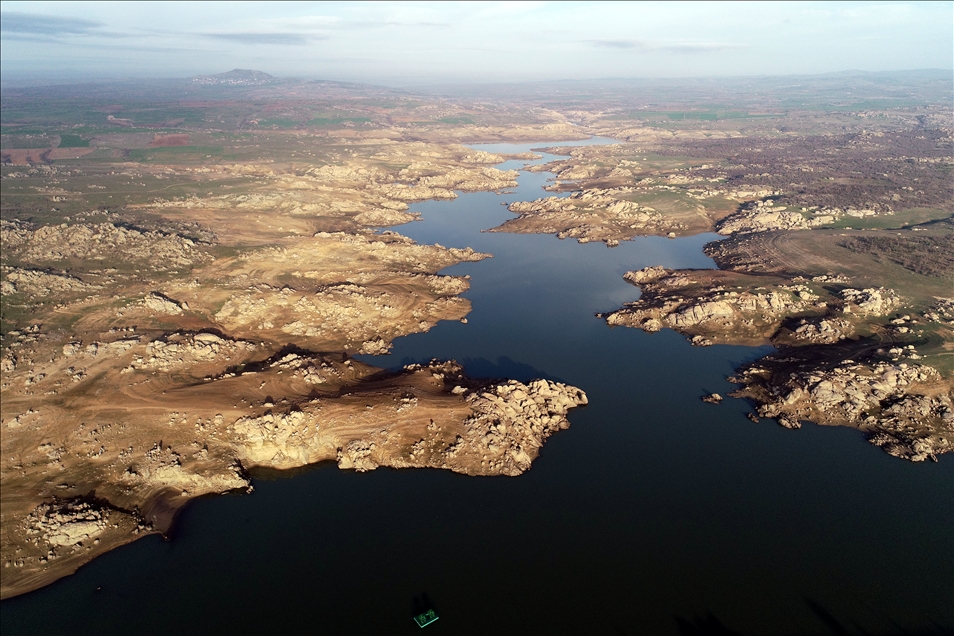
(653, 513)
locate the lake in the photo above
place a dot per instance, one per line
(654, 513)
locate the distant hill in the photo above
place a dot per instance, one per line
(235, 77)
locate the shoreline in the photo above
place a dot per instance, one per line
(194, 384)
(846, 354)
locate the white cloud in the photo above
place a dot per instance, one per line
(502, 41)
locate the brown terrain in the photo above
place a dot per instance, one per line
(170, 140)
(25, 156)
(157, 349)
(840, 252)
(728, 182)
(183, 295)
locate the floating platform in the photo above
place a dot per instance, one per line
(426, 618)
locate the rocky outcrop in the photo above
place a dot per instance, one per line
(161, 304)
(823, 330)
(646, 275)
(60, 535)
(99, 242)
(36, 283)
(942, 311)
(345, 312)
(162, 469)
(484, 157)
(872, 301)
(675, 300)
(177, 351)
(470, 180)
(905, 409)
(587, 215)
(406, 193)
(495, 429)
(739, 308)
(344, 173)
(384, 217)
(67, 525)
(762, 216)
(511, 422)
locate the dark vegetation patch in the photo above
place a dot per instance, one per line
(926, 255)
(25, 140)
(885, 171)
(73, 141)
(170, 140)
(700, 115)
(176, 152)
(145, 222)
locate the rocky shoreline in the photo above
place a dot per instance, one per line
(906, 409)
(429, 416)
(156, 361)
(848, 355)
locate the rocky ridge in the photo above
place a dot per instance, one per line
(587, 215)
(108, 242)
(905, 409)
(495, 429)
(37, 283)
(737, 309)
(166, 357)
(764, 215)
(868, 357)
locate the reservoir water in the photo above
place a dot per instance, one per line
(653, 514)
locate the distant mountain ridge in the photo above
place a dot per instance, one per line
(235, 77)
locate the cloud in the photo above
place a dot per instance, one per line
(290, 39)
(699, 47)
(619, 44)
(668, 47)
(36, 24)
(335, 23)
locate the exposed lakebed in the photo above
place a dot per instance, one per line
(653, 508)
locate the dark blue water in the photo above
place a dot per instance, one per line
(654, 512)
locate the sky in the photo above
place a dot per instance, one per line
(406, 43)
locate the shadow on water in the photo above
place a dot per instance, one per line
(705, 625)
(264, 473)
(504, 367)
(836, 627)
(423, 603)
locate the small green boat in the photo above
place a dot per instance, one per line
(426, 618)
